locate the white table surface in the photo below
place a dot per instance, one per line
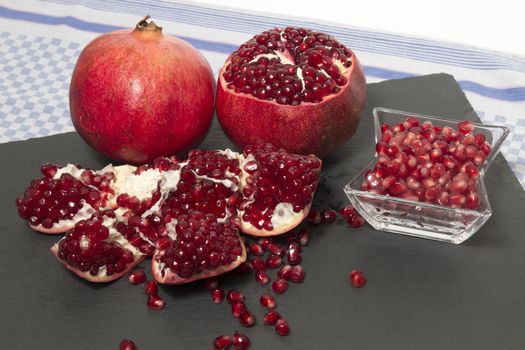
(488, 24)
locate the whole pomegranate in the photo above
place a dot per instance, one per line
(138, 94)
(296, 88)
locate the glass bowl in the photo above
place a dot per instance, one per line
(425, 220)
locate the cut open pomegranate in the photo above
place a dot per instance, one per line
(187, 214)
(311, 88)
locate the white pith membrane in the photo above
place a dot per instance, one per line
(142, 185)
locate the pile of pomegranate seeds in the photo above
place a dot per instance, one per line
(427, 163)
(290, 66)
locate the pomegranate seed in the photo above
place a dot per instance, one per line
(262, 277)
(151, 288)
(265, 242)
(465, 126)
(234, 296)
(222, 343)
(480, 139)
(275, 249)
(247, 319)
(245, 267)
(293, 254)
(273, 261)
(303, 237)
(211, 283)
(258, 263)
(358, 221)
(217, 295)
(280, 286)
(297, 274)
(314, 217)
(281, 327)
(357, 278)
(238, 308)
(271, 317)
(267, 301)
(137, 277)
(347, 211)
(256, 249)
(241, 341)
(285, 272)
(127, 344)
(329, 216)
(155, 302)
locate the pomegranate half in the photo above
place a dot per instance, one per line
(139, 94)
(298, 89)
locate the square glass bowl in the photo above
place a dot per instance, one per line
(420, 219)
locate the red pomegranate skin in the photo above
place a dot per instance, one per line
(136, 95)
(309, 128)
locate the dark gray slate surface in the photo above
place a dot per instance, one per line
(421, 294)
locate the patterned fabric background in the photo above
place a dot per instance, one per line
(41, 40)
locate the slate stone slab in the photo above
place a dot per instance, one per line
(421, 294)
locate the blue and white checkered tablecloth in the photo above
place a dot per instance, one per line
(41, 40)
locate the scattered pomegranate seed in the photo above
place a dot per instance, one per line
(238, 308)
(256, 249)
(275, 249)
(281, 327)
(222, 342)
(347, 211)
(267, 301)
(258, 263)
(247, 319)
(211, 283)
(234, 296)
(273, 261)
(293, 254)
(297, 274)
(151, 288)
(217, 295)
(329, 216)
(241, 341)
(285, 272)
(303, 237)
(271, 317)
(280, 286)
(155, 302)
(262, 277)
(137, 277)
(356, 221)
(314, 217)
(265, 242)
(357, 278)
(127, 344)
(245, 267)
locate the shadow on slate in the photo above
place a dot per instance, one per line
(421, 294)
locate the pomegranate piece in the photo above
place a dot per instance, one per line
(431, 164)
(95, 251)
(202, 247)
(155, 302)
(65, 195)
(217, 295)
(127, 344)
(292, 74)
(240, 341)
(268, 302)
(265, 211)
(137, 277)
(357, 278)
(222, 342)
(281, 327)
(271, 317)
(280, 286)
